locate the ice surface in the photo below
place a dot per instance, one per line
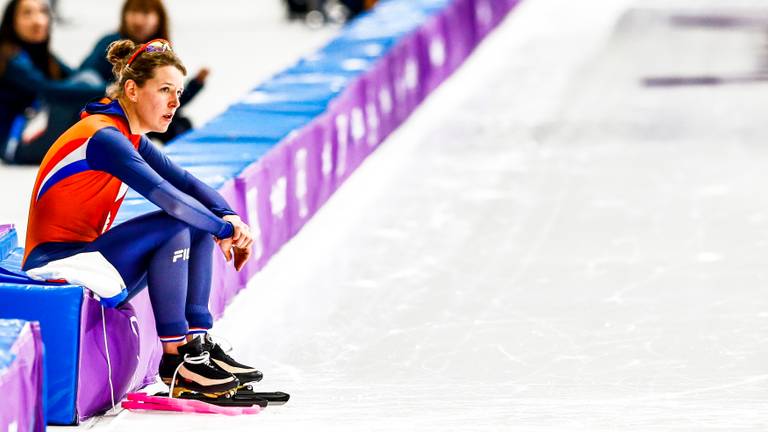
(549, 244)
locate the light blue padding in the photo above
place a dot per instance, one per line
(214, 175)
(57, 308)
(9, 333)
(390, 21)
(284, 102)
(294, 92)
(370, 49)
(8, 241)
(132, 207)
(243, 125)
(240, 155)
(341, 65)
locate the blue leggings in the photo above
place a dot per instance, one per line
(173, 260)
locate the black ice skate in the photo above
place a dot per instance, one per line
(245, 374)
(192, 371)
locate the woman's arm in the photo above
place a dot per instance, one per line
(23, 74)
(97, 59)
(183, 180)
(111, 152)
(191, 89)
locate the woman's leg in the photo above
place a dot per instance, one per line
(161, 249)
(176, 262)
(199, 283)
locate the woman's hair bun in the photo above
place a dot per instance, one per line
(118, 54)
(119, 51)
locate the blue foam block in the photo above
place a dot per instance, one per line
(8, 241)
(240, 125)
(240, 155)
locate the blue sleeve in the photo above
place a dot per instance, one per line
(110, 151)
(183, 180)
(23, 74)
(97, 59)
(66, 71)
(191, 90)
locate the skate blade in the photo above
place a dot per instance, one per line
(179, 390)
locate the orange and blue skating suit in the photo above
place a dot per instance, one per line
(79, 189)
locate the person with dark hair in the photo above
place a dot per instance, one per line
(79, 189)
(39, 95)
(142, 21)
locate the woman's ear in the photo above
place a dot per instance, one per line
(131, 90)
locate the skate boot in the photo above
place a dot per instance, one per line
(192, 370)
(244, 374)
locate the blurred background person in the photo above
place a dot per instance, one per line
(40, 96)
(142, 21)
(318, 12)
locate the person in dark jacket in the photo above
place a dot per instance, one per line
(142, 21)
(40, 96)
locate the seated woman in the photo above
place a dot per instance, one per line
(80, 188)
(32, 78)
(142, 21)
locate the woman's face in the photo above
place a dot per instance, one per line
(158, 100)
(31, 21)
(141, 25)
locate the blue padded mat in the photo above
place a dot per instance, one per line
(295, 92)
(370, 49)
(187, 153)
(243, 125)
(8, 242)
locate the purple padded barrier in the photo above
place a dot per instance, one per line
(459, 19)
(123, 347)
(489, 13)
(324, 138)
(433, 38)
(150, 349)
(406, 76)
(485, 16)
(379, 108)
(5, 228)
(265, 188)
(305, 157)
(226, 282)
(508, 6)
(134, 352)
(277, 167)
(253, 185)
(21, 385)
(348, 113)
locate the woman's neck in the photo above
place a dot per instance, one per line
(130, 114)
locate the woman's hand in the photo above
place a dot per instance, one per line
(242, 237)
(202, 75)
(241, 241)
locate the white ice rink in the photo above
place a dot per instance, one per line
(547, 245)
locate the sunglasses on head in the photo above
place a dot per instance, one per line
(155, 45)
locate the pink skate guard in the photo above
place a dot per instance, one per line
(143, 401)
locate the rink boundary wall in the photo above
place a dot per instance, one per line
(281, 152)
